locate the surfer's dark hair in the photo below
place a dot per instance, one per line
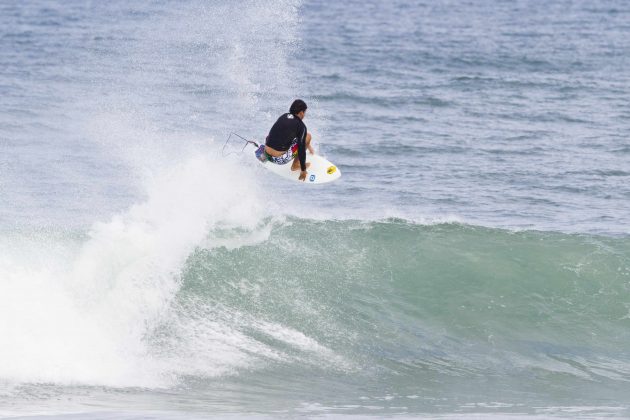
(297, 106)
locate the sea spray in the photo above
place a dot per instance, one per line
(80, 314)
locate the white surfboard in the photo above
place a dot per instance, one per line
(320, 171)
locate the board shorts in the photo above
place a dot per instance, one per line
(283, 159)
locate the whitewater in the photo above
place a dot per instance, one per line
(473, 261)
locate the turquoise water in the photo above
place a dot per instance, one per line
(473, 261)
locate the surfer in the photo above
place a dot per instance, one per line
(288, 140)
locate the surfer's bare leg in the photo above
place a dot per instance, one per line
(296, 161)
(296, 164)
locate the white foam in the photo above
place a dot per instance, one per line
(78, 311)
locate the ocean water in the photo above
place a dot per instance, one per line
(472, 262)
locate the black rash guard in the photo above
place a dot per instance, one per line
(286, 131)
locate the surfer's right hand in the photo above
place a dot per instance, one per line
(302, 175)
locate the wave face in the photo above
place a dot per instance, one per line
(432, 311)
(338, 316)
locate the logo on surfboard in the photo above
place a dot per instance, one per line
(312, 178)
(331, 170)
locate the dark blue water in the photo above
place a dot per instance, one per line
(508, 113)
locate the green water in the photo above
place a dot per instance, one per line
(414, 318)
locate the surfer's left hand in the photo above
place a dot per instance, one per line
(302, 175)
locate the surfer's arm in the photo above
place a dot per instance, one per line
(302, 149)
